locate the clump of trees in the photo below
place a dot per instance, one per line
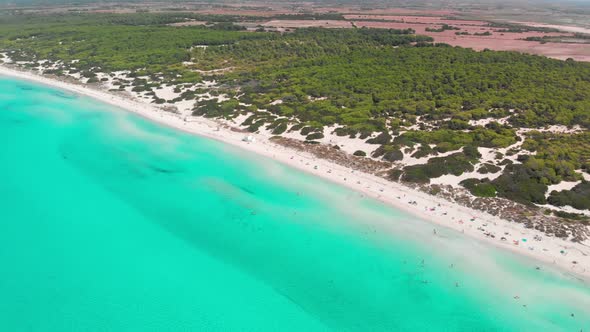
(389, 153)
(480, 188)
(442, 28)
(360, 153)
(578, 197)
(488, 168)
(455, 164)
(521, 184)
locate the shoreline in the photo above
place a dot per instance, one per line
(550, 250)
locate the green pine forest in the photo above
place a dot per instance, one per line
(397, 90)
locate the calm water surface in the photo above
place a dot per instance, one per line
(109, 222)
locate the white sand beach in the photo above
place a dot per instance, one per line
(572, 258)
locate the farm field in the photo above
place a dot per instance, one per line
(475, 34)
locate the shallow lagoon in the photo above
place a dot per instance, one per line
(109, 222)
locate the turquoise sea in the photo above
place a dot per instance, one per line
(109, 222)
